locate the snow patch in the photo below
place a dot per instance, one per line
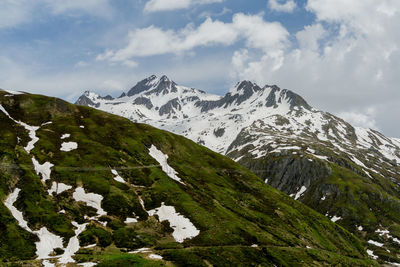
(375, 243)
(382, 232)
(31, 129)
(393, 263)
(141, 203)
(65, 136)
(9, 203)
(130, 220)
(68, 146)
(141, 250)
(371, 254)
(321, 157)
(73, 244)
(117, 177)
(46, 123)
(301, 191)
(155, 257)
(48, 242)
(358, 162)
(396, 240)
(87, 264)
(162, 159)
(183, 227)
(47, 263)
(91, 199)
(58, 188)
(13, 92)
(42, 169)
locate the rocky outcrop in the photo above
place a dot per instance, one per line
(288, 174)
(170, 107)
(83, 100)
(143, 101)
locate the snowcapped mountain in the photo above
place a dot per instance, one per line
(259, 120)
(350, 174)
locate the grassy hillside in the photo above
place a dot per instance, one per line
(241, 220)
(366, 205)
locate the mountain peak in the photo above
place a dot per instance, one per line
(164, 78)
(143, 85)
(87, 99)
(153, 82)
(244, 87)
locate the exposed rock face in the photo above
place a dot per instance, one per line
(170, 108)
(84, 100)
(289, 174)
(107, 97)
(143, 101)
(219, 132)
(142, 86)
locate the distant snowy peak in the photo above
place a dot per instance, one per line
(163, 96)
(244, 88)
(90, 99)
(153, 84)
(247, 119)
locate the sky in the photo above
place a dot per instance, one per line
(342, 56)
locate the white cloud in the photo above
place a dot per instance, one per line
(130, 63)
(365, 119)
(14, 13)
(81, 64)
(92, 7)
(68, 85)
(206, 14)
(168, 5)
(287, 5)
(309, 37)
(259, 33)
(151, 41)
(346, 60)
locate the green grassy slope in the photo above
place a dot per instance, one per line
(366, 205)
(232, 207)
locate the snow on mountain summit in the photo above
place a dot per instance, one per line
(248, 115)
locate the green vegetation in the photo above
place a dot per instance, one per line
(114, 257)
(338, 187)
(95, 235)
(232, 207)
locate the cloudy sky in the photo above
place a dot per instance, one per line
(342, 56)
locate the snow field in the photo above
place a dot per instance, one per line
(183, 227)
